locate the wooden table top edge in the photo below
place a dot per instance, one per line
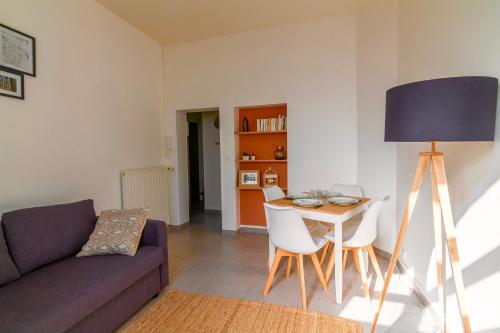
(328, 208)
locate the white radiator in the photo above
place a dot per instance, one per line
(147, 188)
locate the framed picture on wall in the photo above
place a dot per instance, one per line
(11, 84)
(17, 51)
(249, 178)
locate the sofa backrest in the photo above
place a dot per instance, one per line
(41, 235)
(8, 270)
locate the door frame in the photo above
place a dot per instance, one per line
(182, 154)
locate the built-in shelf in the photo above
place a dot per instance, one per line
(263, 145)
(261, 133)
(256, 188)
(262, 161)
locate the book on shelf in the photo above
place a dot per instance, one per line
(272, 124)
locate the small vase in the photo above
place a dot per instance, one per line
(280, 153)
(245, 124)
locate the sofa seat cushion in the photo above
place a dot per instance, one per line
(57, 296)
(41, 235)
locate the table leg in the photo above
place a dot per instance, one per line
(338, 260)
(272, 252)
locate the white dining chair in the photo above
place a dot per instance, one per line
(291, 238)
(356, 238)
(352, 190)
(275, 192)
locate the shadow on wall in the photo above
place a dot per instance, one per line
(478, 237)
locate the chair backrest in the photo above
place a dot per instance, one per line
(287, 230)
(273, 193)
(349, 190)
(366, 232)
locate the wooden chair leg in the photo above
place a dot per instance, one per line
(300, 270)
(318, 270)
(324, 252)
(331, 263)
(363, 273)
(270, 278)
(356, 260)
(289, 267)
(344, 259)
(374, 261)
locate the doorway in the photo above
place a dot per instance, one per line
(204, 170)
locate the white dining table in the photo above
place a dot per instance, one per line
(332, 214)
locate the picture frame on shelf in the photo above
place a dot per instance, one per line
(17, 51)
(249, 179)
(11, 84)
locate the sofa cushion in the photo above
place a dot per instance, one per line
(41, 235)
(116, 232)
(59, 295)
(8, 271)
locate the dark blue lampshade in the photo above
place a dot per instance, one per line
(448, 109)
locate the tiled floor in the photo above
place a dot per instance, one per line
(202, 260)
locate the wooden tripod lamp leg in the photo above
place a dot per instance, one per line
(449, 228)
(415, 189)
(438, 250)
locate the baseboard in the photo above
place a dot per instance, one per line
(229, 232)
(417, 289)
(253, 229)
(179, 226)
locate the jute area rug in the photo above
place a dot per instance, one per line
(178, 311)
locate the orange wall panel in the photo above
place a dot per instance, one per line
(252, 208)
(253, 114)
(281, 168)
(263, 146)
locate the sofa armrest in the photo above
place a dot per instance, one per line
(155, 234)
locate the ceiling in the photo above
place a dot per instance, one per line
(178, 21)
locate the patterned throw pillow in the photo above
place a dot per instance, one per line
(116, 232)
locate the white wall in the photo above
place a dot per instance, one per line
(440, 39)
(310, 66)
(377, 34)
(211, 161)
(93, 109)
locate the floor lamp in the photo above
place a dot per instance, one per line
(448, 109)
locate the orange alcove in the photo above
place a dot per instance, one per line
(263, 145)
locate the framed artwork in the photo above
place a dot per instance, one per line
(17, 51)
(249, 178)
(11, 84)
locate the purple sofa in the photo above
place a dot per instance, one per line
(53, 291)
